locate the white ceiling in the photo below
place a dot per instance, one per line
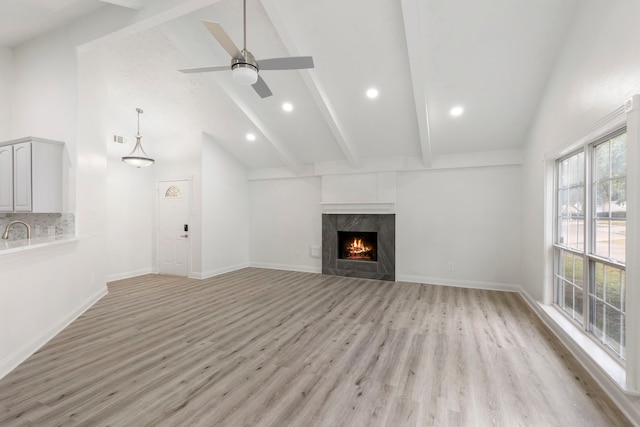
(424, 56)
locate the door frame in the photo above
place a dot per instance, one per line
(156, 234)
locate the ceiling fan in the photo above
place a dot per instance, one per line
(244, 66)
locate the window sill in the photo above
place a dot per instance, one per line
(600, 357)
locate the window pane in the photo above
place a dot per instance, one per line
(569, 296)
(612, 286)
(563, 213)
(610, 198)
(576, 201)
(623, 289)
(602, 238)
(576, 215)
(606, 301)
(560, 261)
(618, 240)
(598, 270)
(602, 198)
(601, 156)
(619, 155)
(618, 205)
(563, 174)
(578, 234)
(578, 307)
(573, 170)
(563, 231)
(568, 299)
(597, 318)
(613, 329)
(578, 272)
(580, 169)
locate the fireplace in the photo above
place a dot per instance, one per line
(359, 245)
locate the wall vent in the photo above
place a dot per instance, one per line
(119, 139)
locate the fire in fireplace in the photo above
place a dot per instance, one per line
(357, 245)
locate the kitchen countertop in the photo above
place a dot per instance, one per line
(13, 246)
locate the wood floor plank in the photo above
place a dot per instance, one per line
(259, 347)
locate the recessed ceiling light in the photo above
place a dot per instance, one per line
(287, 107)
(372, 93)
(456, 111)
(251, 137)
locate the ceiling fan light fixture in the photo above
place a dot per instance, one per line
(245, 74)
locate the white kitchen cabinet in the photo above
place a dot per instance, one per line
(35, 173)
(22, 179)
(6, 178)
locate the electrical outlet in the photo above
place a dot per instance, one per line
(450, 265)
(315, 251)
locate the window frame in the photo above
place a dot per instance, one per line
(587, 253)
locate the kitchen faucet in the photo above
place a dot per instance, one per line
(5, 235)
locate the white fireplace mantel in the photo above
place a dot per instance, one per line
(358, 207)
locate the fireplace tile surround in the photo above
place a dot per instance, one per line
(385, 227)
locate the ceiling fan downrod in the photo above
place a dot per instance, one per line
(244, 26)
(247, 60)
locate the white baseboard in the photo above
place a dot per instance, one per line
(26, 350)
(471, 284)
(218, 271)
(301, 268)
(128, 274)
(627, 401)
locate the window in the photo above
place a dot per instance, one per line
(590, 239)
(173, 191)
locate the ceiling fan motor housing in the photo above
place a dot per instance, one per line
(248, 61)
(245, 70)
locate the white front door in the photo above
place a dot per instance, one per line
(173, 227)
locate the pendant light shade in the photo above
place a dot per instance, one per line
(138, 157)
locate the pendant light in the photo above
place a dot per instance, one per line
(138, 157)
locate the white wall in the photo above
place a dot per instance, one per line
(285, 221)
(219, 205)
(467, 217)
(470, 217)
(42, 290)
(168, 136)
(6, 75)
(225, 211)
(598, 68)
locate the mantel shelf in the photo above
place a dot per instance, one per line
(358, 207)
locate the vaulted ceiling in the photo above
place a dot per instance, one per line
(492, 58)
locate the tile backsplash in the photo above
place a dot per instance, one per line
(64, 223)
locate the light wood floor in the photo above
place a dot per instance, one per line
(274, 348)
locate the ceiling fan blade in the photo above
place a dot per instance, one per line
(261, 88)
(205, 69)
(288, 63)
(223, 38)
